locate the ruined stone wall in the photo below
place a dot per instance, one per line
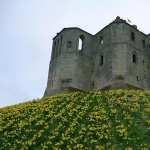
(123, 49)
(68, 65)
(118, 56)
(135, 70)
(147, 64)
(102, 70)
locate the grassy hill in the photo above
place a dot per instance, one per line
(111, 120)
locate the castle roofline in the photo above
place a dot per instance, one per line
(119, 20)
(71, 28)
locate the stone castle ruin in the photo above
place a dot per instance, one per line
(118, 56)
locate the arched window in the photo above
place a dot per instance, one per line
(134, 58)
(80, 43)
(101, 40)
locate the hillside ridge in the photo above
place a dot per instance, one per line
(114, 119)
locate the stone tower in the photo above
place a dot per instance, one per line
(118, 56)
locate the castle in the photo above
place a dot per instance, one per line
(118, 56)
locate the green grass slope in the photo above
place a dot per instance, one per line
(113, 120)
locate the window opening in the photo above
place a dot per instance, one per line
(134, 59)
(80, 43)
(143, 43)
(132, 36)
(137, 78)
(101, 40)
(69, 44)
(101, 60)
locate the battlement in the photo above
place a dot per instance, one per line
(118, 56)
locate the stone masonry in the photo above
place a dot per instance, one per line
(118, 56)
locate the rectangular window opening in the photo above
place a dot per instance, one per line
(134, 58)
(69, 44)
(137, 78)
(101, 60)
(132, 36)
(143, 43)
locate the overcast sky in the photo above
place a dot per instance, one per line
(28, 26)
